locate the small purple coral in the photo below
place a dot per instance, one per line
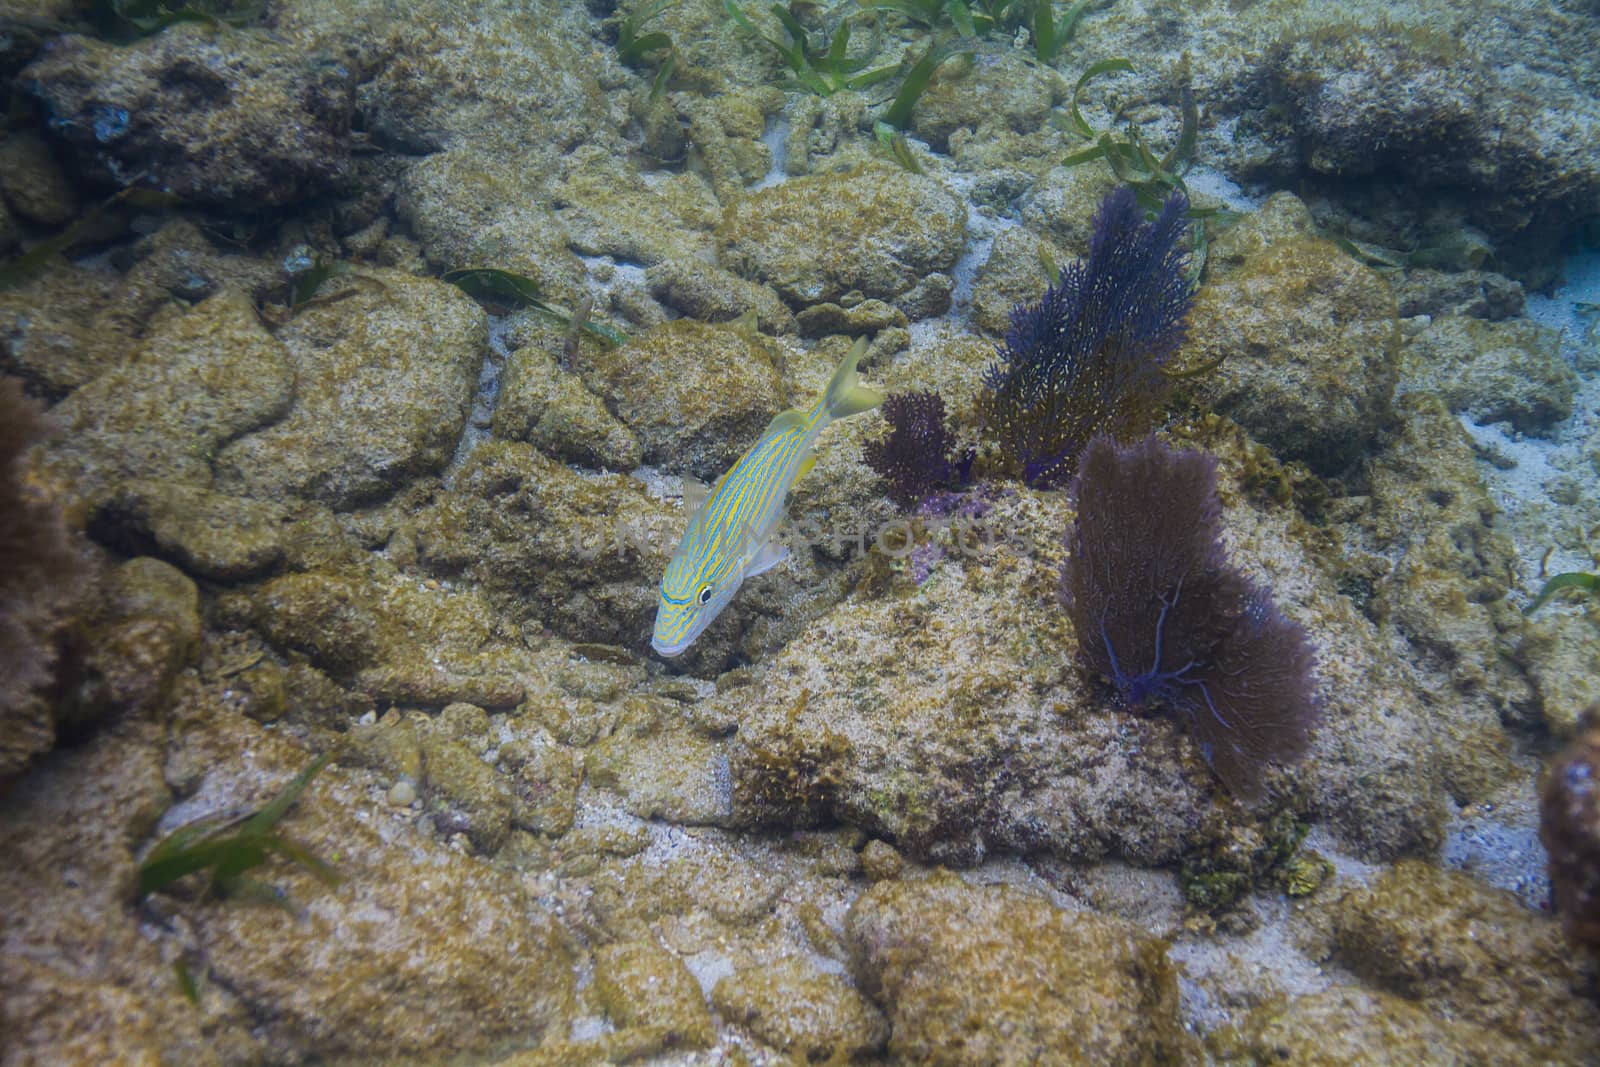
(1163, 615)
(919, 455)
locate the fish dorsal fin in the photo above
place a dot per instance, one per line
(792, 419)
(695, 495)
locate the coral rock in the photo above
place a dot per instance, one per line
(1562, 653)
(1494, 371)
(1306, 338)
(33, 183)
(949, 721)
(583, 552)
(145, 631)
(711, 294)
(641, 984)
(802, 1011)
(198, 381)
(1443, 113)
(549, 408)
(1444, 939)
(816, 238)
(421, 949)
(696, 396)
(996, 975)
(234, 119)
(664, 767)
(70, 830)
(1354, 1027)
(384, 381)
(1011, 93)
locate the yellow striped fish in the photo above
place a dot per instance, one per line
(731, 537)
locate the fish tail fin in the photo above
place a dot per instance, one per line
(846, 395)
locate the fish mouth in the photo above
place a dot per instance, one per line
(669, 650)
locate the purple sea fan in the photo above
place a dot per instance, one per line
(919, 454)
(1088, 357)
(1163, 615)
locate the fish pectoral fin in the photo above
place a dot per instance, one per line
(772, 553)
(805, 467)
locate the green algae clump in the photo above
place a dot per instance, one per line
(228, 847)
(1240, 854)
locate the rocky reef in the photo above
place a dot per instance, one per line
(274, 490)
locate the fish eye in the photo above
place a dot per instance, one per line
(705, 594)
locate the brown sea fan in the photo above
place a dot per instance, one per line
(1168, 621)
(38, 559)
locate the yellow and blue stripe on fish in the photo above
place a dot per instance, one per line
(733, 535)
